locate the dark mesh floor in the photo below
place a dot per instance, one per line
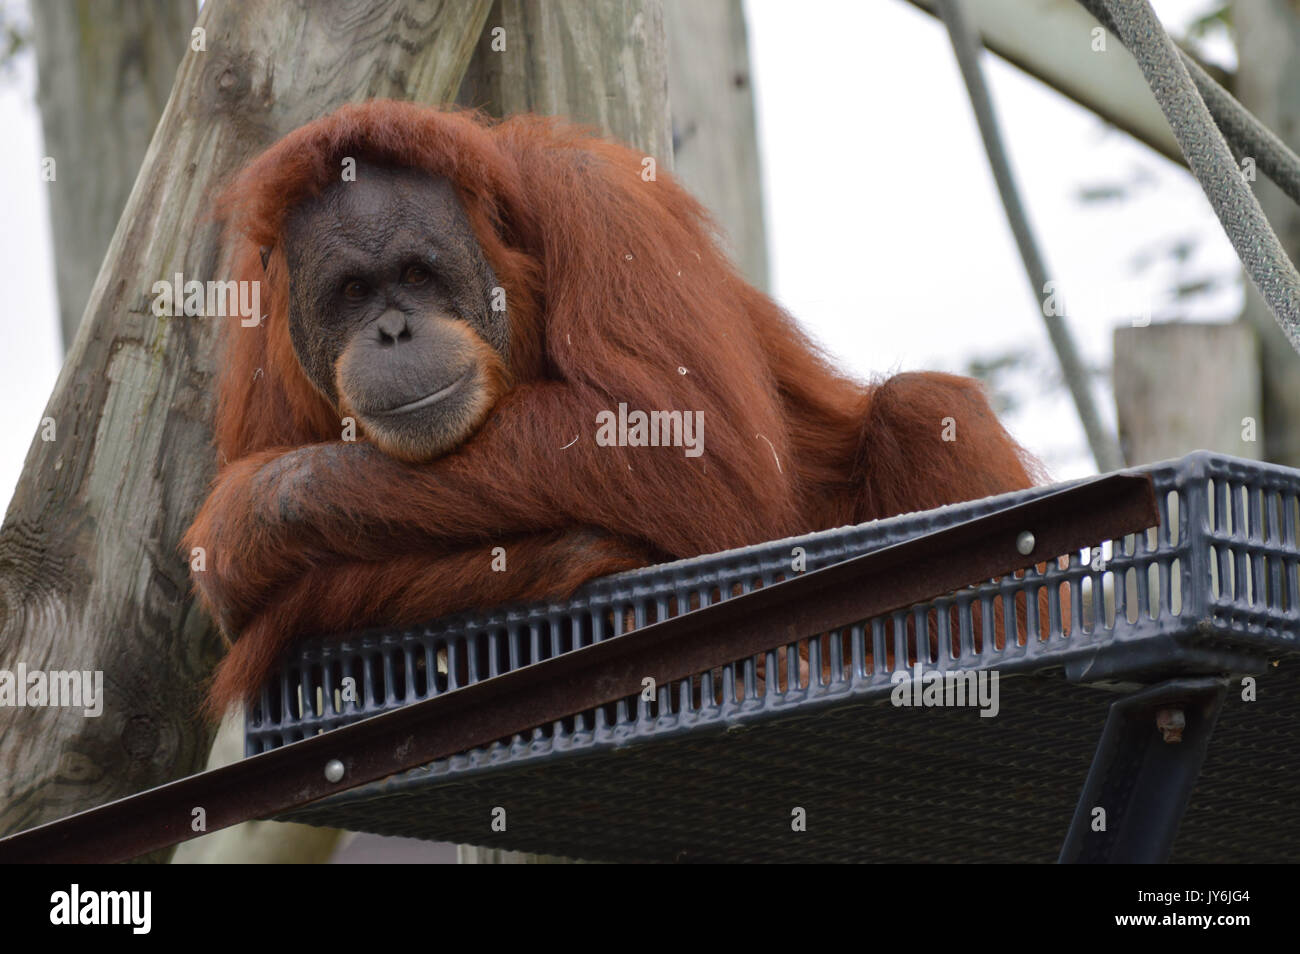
(877, 783)
(1246, 806)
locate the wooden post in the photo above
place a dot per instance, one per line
(714, 134)
(91, 577)
(104, 73)
(715, 137)
(1181, 387)
(599, 62)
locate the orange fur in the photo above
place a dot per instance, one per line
(616, 293)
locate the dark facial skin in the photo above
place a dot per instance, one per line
(390, 309)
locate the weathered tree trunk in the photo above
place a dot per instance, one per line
(105, 70)
(91, 577)
(715, 137)
(600, 62)
(1268, 84)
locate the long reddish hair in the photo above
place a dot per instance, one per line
(598, 266)
(616, 286)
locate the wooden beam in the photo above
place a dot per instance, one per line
(1052, 41)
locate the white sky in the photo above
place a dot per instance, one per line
(888, 241)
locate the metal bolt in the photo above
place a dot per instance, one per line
(1171, 723)
(1025, 543)
(334, 771)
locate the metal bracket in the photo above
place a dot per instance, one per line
(1143, 773)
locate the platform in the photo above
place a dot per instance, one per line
(714, 774)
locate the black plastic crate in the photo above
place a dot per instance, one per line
(715, 774)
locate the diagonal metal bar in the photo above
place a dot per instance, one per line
(1143, 781)
(830, 598)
